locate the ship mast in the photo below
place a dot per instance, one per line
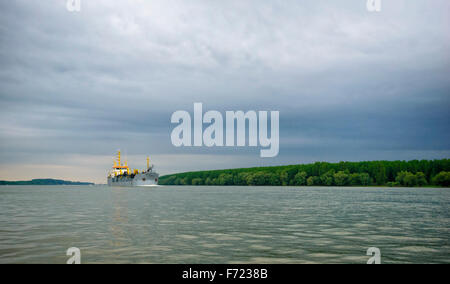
(118, 167)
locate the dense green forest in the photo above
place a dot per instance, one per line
(375, 173)
(44, 182)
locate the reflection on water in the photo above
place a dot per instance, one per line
(224, 224)
(120, 218)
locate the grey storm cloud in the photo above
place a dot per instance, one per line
(349, 84)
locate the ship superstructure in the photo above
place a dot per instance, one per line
(121, 175)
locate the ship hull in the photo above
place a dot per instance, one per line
(143, 179)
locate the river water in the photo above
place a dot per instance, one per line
(223, 224)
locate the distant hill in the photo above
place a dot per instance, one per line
(44, 182)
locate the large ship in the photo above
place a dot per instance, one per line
(121, 175)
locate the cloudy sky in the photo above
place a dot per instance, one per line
(349, 84)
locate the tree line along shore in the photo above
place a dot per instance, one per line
(375, 173)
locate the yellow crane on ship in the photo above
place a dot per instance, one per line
(120, 169)
(118, 165)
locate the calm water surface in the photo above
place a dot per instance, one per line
(223, 224)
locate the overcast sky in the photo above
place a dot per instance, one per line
(349, 84)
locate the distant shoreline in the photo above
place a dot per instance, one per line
(44, 182)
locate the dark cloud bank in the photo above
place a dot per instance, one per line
(349, 84)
